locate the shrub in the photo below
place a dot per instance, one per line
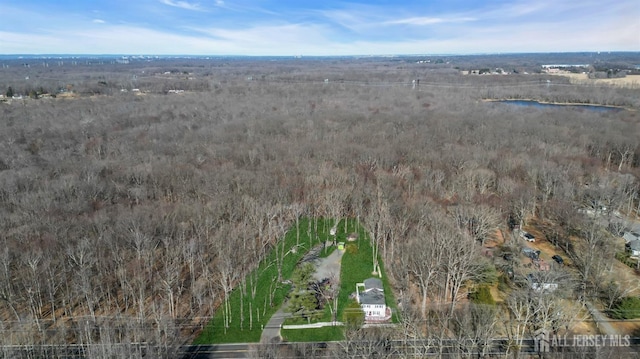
(488, 273)
(503, 283)
(351, 248)
(626, 308)
(482, 296)
(625, 258)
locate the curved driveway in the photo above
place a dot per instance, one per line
(325, 268)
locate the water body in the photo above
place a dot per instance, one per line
(536, 104)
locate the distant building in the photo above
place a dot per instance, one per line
(564, 66)
(540, 285)
(630, 237)
(634, 247)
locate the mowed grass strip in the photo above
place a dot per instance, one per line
(324, 334)
(357, 265)
(265, 277)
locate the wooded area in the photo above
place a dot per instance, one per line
(129, 216)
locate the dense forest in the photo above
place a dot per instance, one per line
(134, 196)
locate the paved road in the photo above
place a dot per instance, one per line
(322, 349)
(602, 322)
(217, 351)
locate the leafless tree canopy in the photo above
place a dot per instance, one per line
(129, 216)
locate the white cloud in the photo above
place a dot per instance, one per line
(302, 39)
(183, 5)
(339, 33)
(423, 21)
(355, 19)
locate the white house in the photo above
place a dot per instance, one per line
(634, 247)
(370, 296)
(544, 287)
(538, 284)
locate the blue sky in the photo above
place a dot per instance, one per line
(305, 27)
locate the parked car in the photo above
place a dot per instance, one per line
(527, 236)
(558, 259)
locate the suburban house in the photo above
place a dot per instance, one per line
(370, 296)
(630, 237)
(634, 247)
(539, 285)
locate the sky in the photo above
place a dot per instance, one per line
(316, 28)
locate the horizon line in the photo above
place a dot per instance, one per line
(302, 55)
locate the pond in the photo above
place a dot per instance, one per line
(536, 104)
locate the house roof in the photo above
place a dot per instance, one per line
(634, 245)
(372, 283)
(374, 296)
(630, 236)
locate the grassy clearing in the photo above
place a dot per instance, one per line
(323, 334)
(357, 265)
(269, 293)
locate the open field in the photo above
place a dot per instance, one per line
(629, 81)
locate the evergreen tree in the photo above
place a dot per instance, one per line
(303, 302)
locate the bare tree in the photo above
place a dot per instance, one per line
(425, 259)
(475, 326)
(480, 222)
(365, 343)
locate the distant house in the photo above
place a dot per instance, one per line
(544, 287)
(370, 296)
(539, 285)
(634, 247)
(630, 237)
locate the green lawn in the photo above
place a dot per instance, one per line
(263, 306)
(356, 267)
